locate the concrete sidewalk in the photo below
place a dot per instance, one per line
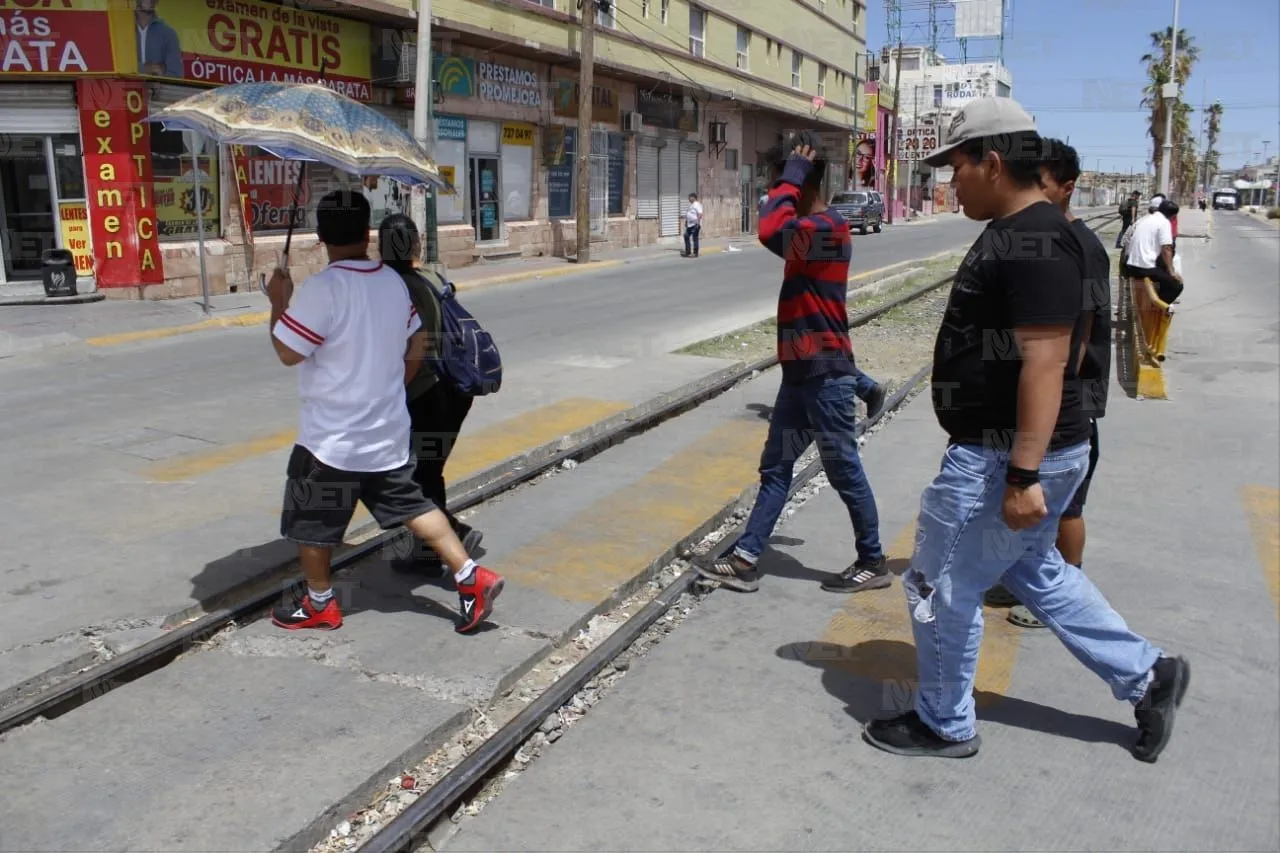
(742, 729)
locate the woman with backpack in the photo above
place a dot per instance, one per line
(436, 408)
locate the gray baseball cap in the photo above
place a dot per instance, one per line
(981, 118)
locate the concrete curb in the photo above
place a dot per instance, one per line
(78, 299)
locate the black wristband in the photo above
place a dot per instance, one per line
(1020, 478)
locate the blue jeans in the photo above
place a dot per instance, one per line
(691, 232)
(863, 385)
(822, 410)
(964, 547)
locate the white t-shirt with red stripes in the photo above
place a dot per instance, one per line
(351, 321)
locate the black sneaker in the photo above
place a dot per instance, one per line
(875, 401)
(1169, 680)
(732, 572)
(906, 734)
(861, 576)
(998, 596)
(429, 562)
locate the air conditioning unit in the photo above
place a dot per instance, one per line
(717, 132)
(632, 122)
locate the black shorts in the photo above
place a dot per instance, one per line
(1075, 509)
(319, 501)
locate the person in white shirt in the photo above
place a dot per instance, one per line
(1149, 253)
(692, 226)
(355, 338)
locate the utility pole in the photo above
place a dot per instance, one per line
(1170, 102)
(424, 203)
(893, 134)
(587, 11)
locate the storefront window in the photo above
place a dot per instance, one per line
(68, 163)
(517, 170)
(451, 157)
(174, 172)
(272, 182)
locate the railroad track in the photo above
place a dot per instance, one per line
(408, 829)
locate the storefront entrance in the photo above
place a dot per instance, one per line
(42, 203)
(486, 212)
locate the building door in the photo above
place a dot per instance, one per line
(486, 212)
(599, 184)
(28, 206)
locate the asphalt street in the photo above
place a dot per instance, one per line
(145, 477)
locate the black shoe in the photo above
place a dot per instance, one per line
(906, 734)
(998, 596)
(861, 576)
(732, 572)
(1155, 713)
(875, 401)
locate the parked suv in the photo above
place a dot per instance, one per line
(862, 209)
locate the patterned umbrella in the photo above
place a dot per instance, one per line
(305, 121)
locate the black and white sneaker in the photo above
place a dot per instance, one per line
(731, 572)
(907, 734)
(1169, 680)
(861, 576)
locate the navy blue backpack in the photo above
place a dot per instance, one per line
(469, 358)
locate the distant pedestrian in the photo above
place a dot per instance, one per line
(354, 335)
(1058, 177)
(1128, 210)
(1006, 390)
(692, 226)
(816, 398)
(437, 409)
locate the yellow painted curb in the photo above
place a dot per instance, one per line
(255, 318)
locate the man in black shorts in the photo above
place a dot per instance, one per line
(1058, 176)
(354, 335)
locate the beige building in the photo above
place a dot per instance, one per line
(688, 94)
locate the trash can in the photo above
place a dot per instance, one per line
(59, 273)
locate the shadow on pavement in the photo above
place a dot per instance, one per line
(877, 679)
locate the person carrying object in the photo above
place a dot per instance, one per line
(816, 398)
(355, 338)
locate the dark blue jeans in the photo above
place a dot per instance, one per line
(863, 385)
(819, 410)
(691, 232)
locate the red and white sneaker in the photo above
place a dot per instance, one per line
(304, 614)
(475, 599)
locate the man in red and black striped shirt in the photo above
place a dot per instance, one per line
(817, 398)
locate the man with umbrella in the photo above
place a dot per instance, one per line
(355, 338)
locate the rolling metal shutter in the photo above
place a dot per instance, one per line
(38, 109)
(669, 191)
(646, 179)
(688, 173)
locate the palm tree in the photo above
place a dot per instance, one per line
(1157, 63)
(1211, 153)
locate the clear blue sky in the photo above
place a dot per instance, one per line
(1076, 68)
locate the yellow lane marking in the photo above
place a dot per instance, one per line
(474, 452)
(616, 538)
(255, 318)
(871, 638)
(1263, 506)
(484, 448)
(186, 468)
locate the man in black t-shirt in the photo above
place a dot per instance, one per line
(1058, 174)
(1006, 390)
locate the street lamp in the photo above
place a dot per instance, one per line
(1170, 94)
